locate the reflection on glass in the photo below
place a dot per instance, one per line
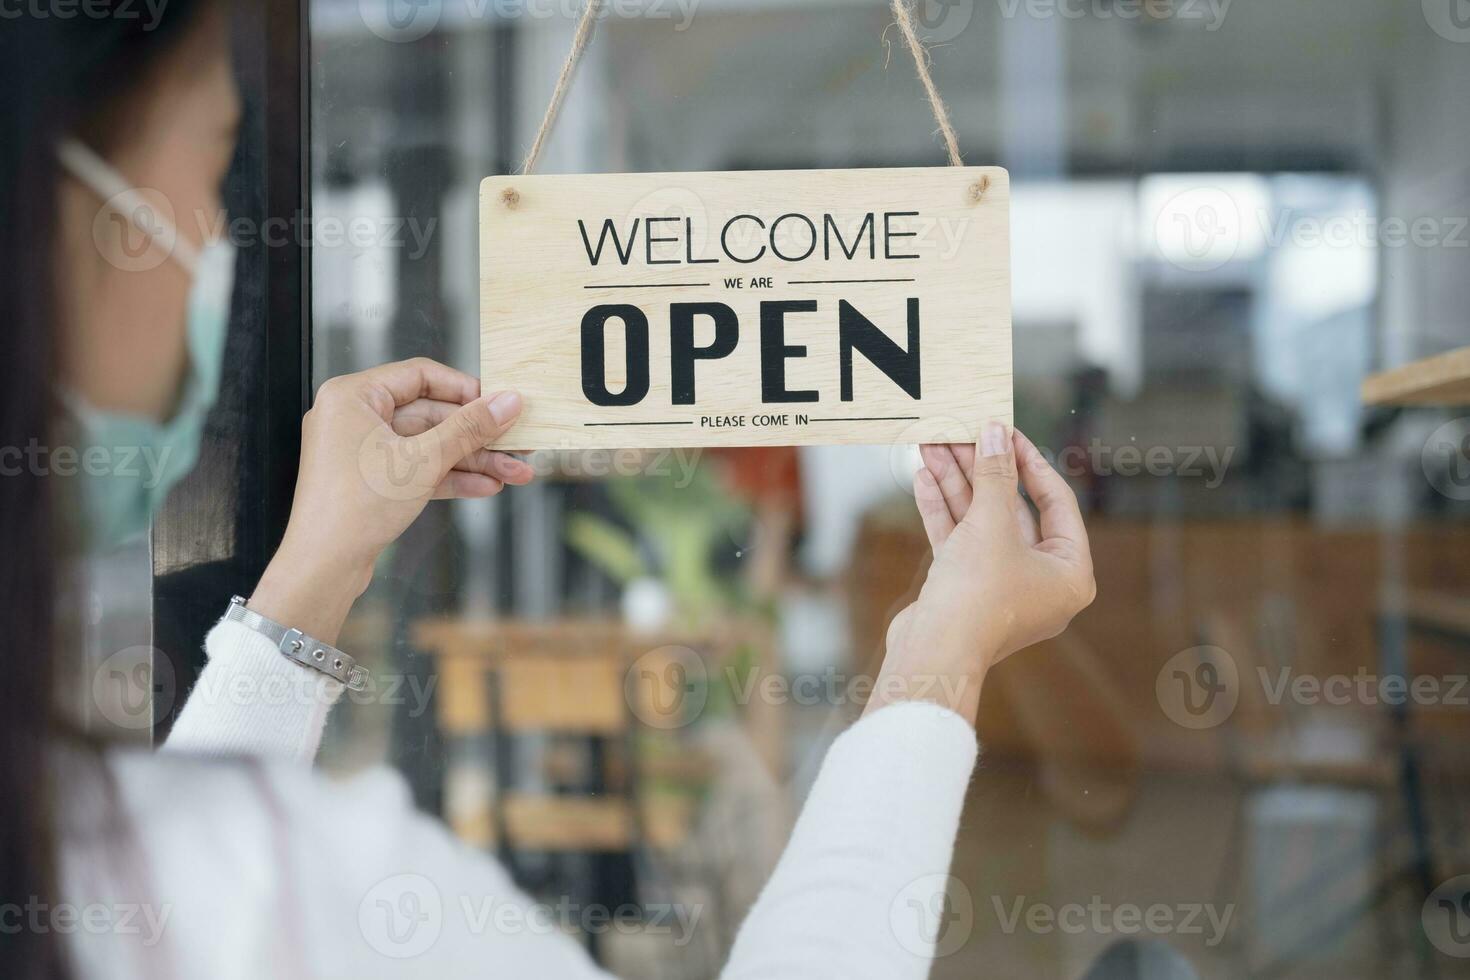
(621, 678)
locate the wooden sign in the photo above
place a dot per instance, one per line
(752, 308)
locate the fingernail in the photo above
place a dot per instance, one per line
(993, 439)
(505, 406)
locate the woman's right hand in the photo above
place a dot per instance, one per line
(1003, 578)
(376, 447)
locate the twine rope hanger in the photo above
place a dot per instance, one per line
(902, 11)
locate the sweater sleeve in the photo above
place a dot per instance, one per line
(378, 891)
(393, 895)
(252, 701)
(859, 891)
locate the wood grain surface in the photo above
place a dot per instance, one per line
(748, 308)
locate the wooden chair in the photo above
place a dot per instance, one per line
(1269, 746)
(593, 680)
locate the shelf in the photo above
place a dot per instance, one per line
(1440, 380)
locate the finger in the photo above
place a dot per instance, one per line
(1026, 522)
(964, 454)
(505, 468)
(419, 377)
(421, 415)
(932, 509)
(470, 428)
(993, 480)
(954, 484)
(1056, 504)
(458, 485)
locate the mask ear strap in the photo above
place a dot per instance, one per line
(118, 195)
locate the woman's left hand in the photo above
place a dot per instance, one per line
(1003, 578)
(376, 447)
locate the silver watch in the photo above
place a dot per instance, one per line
(296, 645)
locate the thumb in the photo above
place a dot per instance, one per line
(472, 427)
(994, 475)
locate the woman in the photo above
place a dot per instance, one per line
(234, 859)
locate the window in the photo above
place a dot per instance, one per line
(621, 678)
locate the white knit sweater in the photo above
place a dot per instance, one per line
(238, 861)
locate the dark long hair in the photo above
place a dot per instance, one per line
(58, 75)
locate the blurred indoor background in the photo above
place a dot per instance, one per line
(1225, 217)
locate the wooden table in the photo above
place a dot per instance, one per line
(1440, 380)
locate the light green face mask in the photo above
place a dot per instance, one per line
(127, 463)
